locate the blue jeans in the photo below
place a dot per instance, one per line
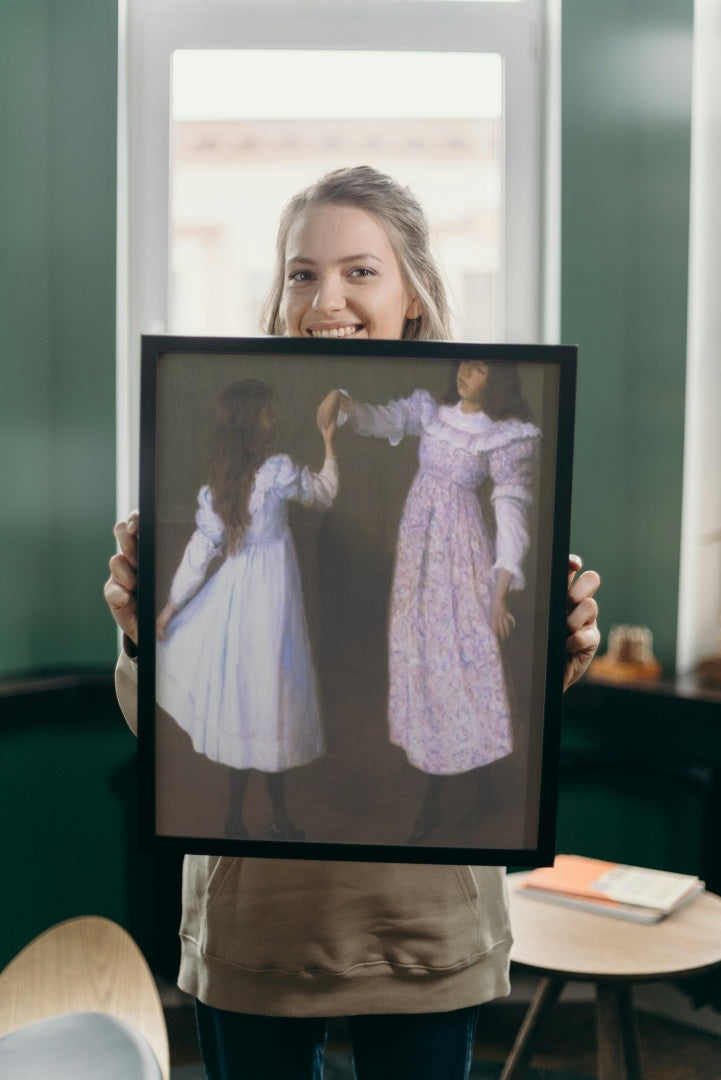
(413, 1046)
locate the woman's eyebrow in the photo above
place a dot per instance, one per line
(361, 257)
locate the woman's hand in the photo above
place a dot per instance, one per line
(502, 621)
(161, 623)
(329, 432)
(329, 408)
(121, 587)
(582, 634)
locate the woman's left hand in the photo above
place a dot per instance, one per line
(329, 408)
(502, 621)
(582, 633)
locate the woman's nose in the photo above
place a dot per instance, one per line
(329, 296)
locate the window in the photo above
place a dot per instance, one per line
(227, 107)
(235, 161)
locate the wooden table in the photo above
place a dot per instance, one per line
(563, 944)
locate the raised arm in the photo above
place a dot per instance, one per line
(391, 421)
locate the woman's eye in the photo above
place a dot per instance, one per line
(300, 276)
(362, 272)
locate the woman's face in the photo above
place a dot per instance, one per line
(267, 424)
(471, 381)
(342, 277)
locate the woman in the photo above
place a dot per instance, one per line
(270, 948)
(449, 707)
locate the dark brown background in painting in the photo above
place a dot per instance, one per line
(363, 791)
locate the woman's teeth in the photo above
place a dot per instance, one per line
(337, 331)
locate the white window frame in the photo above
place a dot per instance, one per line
(525, 34)
(699, 597)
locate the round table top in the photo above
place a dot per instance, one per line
(559, 940)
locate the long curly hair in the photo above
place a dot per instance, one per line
(238, 448)
(501, 397)
(404, 220)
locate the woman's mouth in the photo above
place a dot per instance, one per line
(335, 331)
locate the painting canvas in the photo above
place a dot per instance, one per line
(352, 597)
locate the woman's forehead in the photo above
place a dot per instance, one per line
(336, 230)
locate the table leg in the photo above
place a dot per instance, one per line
(545, 997)
(617, 1033)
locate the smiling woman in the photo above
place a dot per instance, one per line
(353, 260)
(335, 294)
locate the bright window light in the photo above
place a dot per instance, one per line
(238, 155)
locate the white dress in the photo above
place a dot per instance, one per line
(235, 670)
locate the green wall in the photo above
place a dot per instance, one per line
(66, 758)
(626, 137)
(626, 145)
(69, 773)
(58, 73)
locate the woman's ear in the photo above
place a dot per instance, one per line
(415, 309)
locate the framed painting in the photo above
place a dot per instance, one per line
(352, 597)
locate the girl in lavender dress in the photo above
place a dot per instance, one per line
(234, 667)
(449, 706)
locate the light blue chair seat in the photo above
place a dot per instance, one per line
(78, 1046)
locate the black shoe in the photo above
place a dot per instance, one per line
(481, 808)
(428, 819)
(285, 830)
(235, 830)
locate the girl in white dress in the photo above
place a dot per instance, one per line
(234, 666)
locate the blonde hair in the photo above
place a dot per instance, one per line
(403, 217)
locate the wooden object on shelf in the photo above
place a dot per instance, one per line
(629, 657)
(709, 671)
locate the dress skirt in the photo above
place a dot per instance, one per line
(236, 670)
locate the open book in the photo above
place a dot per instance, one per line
(608, 888)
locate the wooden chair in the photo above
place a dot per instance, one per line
(90, 972)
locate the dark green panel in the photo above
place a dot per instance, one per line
(68, 784)
(626, 146)
(26, 397)
(58, 75)
(63, 787)
(82, 223)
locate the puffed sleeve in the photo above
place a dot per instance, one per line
(511, 468)
(405, 416)
(323, 486)
(205, 543)
(290, 481)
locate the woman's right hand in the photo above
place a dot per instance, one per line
(121, 587)
(161, 622)
(328, 409)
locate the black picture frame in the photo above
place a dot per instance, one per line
(359, 798)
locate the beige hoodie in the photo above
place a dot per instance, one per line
(301, 938)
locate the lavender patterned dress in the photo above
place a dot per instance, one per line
(448, 703)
